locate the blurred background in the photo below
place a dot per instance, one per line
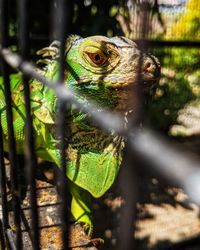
(168, 20)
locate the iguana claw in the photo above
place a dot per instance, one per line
(88, 227)
(51, 51)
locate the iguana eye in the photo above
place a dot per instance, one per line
(97, 58)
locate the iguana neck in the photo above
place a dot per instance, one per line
(95, 140)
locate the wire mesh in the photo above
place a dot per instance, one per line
(144, 147)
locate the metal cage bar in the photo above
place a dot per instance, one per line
(11, 139)
(31, 162)
(60, 28)
(129, 177)
(4, 204)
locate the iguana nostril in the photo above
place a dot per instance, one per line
(151, 66)
(148, 65)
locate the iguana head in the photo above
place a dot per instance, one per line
(105, 68)
(102, 68)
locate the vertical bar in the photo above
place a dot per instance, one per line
(129, 176)
(129, 190)
(30, 157)
(60, 27)
(2, 236)
(11, 139)
(143, 33)
(4, 221)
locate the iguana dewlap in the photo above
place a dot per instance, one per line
(100, 69)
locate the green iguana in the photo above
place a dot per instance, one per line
(98, 68)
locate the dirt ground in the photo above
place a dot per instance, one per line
(164, 217)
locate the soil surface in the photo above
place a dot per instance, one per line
(164, 217)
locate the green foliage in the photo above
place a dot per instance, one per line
(173, 92)
(95, 17)
(88, 17)
(183, 59)
(179, 85)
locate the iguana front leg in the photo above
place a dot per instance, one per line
(81, 207)
(81, 199)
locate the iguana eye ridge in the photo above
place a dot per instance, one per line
(97, 58)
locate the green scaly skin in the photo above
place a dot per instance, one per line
(98, 68)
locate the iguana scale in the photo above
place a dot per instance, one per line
(99, 69)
